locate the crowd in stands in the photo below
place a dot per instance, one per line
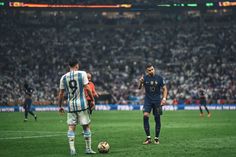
(190, 52)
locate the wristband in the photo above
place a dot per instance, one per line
(164, 99)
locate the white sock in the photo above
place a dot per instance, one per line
(71, 138)
(88, 143)
(87, 138)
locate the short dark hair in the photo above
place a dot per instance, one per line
(149, 65)
(73, 62)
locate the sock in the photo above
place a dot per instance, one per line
(158, 125)
(71, 138)
(146, 125)
(87, 138)
(32, 113)
(200, 110)
(26, 114)
(207, 110)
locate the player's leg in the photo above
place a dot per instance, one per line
(200, 109)
(88, 140)
(26, 113)
(157, 112)
(34, 115)
(208, 112)
(72, 122)
(26, 107)
(31, 112)
(29, 104)
(146, 126)
(84, 120)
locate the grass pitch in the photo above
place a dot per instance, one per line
(183, 133)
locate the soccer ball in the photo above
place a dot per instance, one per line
(103, 147)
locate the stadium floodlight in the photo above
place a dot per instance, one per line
(2, 4)
(209, 4)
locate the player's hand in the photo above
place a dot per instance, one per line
(61, 110)
(96, 95)
(163, 102)
(92, 105)
(141, 79)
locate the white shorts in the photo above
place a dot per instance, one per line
(82, 118)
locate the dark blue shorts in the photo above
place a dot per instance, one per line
(156, 108)
(203, 102)
(27, 104)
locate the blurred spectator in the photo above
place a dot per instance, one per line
(190, 51)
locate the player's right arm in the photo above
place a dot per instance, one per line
(141, 81)
(60, 100)
(61, 95)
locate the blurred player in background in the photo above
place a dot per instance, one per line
(203, 102)
(74, 83)
(28, 102)
(92, 88)
(154, 85)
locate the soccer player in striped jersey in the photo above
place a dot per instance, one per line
(74, 83)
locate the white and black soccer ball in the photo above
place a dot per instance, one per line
(103, 147)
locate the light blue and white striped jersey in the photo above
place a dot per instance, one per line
(73, 82)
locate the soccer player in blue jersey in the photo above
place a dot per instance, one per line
(74, 83)
(203, 102)
(28, 102)
(155, 98)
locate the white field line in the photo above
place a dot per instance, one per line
(50, 132)
(27, 137)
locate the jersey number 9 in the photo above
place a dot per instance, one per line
(73, 86)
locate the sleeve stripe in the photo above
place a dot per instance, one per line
(65, 85)
(81, 89)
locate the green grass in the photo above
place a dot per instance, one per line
(183, 133)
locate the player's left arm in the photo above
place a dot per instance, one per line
(164, 95)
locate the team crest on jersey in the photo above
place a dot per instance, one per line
(153, 89)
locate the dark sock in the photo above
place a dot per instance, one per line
(31, 113)
(200, 110)
(26, 114)
(146, 125)
(207, 110)
(158, 125)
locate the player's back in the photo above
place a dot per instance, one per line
(73, 82)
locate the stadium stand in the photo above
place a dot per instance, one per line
(191, 49)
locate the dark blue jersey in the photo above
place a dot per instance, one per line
(29, 91)
(153, 86)
(202, 94)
